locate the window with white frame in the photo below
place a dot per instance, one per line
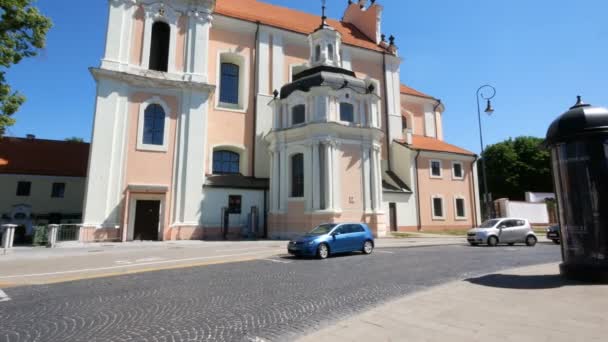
(347, 112)
(460, 210)
(153, 126)
(330, 52)
(437, 208)
(317, 53)
(298, 114)
(232, 78)
(436, 169)
(457, 170)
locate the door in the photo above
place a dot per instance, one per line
(340, 240)
(392, 210)
(147, 219)
(508, 233)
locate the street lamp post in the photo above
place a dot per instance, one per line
(489, 110)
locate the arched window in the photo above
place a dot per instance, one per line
(229, 83)
(298, 114)
(297, 175)
(154, 125)
(226, 162)
(347, 112)
(318, 53)
(159, 47)
(330, 52)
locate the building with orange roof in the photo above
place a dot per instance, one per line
(237, 117)
(41, 181)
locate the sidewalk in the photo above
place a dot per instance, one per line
(526, 304)
(74, 261)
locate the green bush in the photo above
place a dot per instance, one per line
(40, 236)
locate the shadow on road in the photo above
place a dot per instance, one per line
(524, 282)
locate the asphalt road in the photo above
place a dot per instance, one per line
(275, 299)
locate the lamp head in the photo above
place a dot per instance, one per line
(489, 109)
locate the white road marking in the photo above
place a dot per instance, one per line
(4, 297)
(149, 259)
(129, 265)
(387, 252)
(242, 249)
(279, 261)
(123, 262)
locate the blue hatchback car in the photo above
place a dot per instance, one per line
(332, 238)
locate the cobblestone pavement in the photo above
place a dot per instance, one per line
(276, 299)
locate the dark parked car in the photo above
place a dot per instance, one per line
(332, 238)
(553, 234)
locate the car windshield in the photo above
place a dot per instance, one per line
(322, 229)
(489, 224)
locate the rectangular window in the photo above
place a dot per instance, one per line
(58, 190)
(229, 83)
(436, 169)
(457, 170)
(460, 208)
(24, 188)
(297, 176)
(347, 112)
(298, 114)
(234, 204)
(437, 207)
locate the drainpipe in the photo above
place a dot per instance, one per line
(388, 142)
(255, 96)
(418, 191)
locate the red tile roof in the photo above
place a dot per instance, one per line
(423, 143)
(43, 157)
(290, 19)
(411, 91)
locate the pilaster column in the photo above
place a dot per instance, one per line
(283, 188)
(316, 180)
(197, 42)
(118, 36)
(308, 181)
(375, 185)
(191, 151)
(336, 159)
(328, 176)
(366, 168)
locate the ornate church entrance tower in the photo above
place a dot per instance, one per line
(325, 145)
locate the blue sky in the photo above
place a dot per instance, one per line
(538, 54)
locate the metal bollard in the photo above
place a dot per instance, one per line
(8, 237)
(52, 230)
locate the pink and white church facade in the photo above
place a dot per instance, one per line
(209, 110)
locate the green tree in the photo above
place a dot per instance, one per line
(517, 165)
(23, 32)
(74, 139)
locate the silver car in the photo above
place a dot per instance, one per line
(502, 230)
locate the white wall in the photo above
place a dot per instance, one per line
(406, 208)
(534, 212)
(536, 197)
(217, 198)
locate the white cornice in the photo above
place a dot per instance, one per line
(152, 79)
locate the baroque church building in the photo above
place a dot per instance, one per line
(237, 118)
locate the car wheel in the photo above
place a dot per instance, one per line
(556, 242)
(368, 247)
(531, 241)
(322, 251)
(492, 241)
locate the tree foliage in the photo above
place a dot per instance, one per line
(74, 139)
(517, 165)
(23, 32)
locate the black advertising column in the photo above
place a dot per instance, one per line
(579, 152)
